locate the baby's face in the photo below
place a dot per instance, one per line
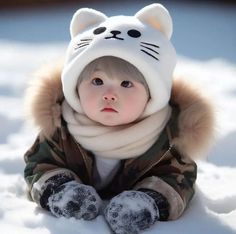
(111, 101)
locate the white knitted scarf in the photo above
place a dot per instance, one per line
(118, 142)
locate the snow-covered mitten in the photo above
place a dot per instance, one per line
(73, 199)
(161, 202)
(132, 211)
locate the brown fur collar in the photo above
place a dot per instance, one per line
(196, 122)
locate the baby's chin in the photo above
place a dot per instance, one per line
(115, 123)
(113, 119)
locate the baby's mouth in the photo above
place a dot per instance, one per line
(109, 109)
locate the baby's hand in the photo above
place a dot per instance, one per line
(73, 199)
(131, 211)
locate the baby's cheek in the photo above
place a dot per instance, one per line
(128, 104)
(133, 109)
(87, 105)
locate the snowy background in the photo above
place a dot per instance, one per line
(205, 39)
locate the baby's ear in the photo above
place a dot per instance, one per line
(84, 18)
(158, 17)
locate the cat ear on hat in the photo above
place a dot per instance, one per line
(85, 18)
(158, 17)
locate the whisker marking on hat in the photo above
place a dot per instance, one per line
(150, 44)
(149, 54)
(150, 49)
(81, 45)
(86, 39)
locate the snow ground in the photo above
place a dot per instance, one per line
(213, 209)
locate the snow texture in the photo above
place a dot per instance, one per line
(130, 212)
(75, 200)
(213, 208)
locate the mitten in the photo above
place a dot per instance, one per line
(161, 202)
(73, 199)
(131, 211)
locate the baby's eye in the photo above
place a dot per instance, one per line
(97, 81)
(126, 84)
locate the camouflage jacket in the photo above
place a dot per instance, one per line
(167, 167)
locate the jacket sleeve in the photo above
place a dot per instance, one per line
(174, 177)
(45, 169)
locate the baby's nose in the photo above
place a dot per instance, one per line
(109, 97)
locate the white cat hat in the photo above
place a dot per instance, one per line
(143, 40)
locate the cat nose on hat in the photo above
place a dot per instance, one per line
(115, 32)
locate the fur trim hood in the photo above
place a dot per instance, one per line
(196, 120)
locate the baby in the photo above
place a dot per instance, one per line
(114, 125)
